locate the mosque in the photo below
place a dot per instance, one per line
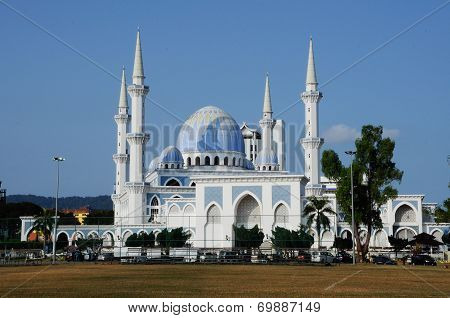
(220, 174)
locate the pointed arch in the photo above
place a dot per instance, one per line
(248, 210)
(207, 161)
(216, 160)
(173, 182)
(154, 208)
(281, 215)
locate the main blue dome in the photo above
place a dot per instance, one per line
(210, 129)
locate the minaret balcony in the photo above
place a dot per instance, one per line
(311, 97)
(120, 157)
(138, 90)
(138, 138)
(311, 142)
(266, 122)
(121, 118)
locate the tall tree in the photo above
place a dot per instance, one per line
(373, 164)
(44, 223)
(316, 211)
(442, 213)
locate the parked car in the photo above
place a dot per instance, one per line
(228, 257)
(303, 257)
(206, 257)
(426, 260)
(259, 259)
(322, 257)
(383, 260)
(344, 257)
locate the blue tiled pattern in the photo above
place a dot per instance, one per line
(214, 194)
(281, 192)
(256, 190)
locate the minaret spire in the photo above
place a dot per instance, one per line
(123, 100)
(311, 78)
(267, 107)
(138, 69)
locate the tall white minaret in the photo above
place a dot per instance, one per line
(121, 156)
(267, 160)
(137, 138)
(312, 142)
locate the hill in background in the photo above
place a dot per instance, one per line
(101, 202)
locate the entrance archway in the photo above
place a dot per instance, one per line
(248, 212)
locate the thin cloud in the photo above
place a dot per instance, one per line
(391, 133)
(340, 133)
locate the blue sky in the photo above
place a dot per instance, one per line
(207, 52)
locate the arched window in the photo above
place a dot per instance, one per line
(264, 168)
(173, 183)
(270, 168)
(207, 161)
(405, 234)
(234, 161)
(166, 166)
(281, 215)
(239, 162)
(213, 215)
(225, 161)
(188, 161)
(154, 211)
(197, 161)
(172, 166)
(405, 214)
(216, 161)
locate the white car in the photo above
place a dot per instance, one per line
(322, 257)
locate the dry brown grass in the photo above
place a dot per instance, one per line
(197, 280)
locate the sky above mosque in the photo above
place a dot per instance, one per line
(383, 63)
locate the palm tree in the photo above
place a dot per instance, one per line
(44, 223)
(316, 213)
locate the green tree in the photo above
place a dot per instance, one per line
(397, 244)
(248, 238)
(44, 223)
(316, 212)
(141, 240)
(373, 160)
(290, 239)
(446, 238)
(174, 238)
(342, 243)
(442, 213)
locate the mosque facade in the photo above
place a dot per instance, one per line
(220, 174)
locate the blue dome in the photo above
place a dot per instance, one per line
(210, 129)
(171, 155)
(266, 158)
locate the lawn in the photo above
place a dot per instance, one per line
(198, 280)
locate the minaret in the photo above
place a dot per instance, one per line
(137, 138)
(266, 159)
(121, 156)
(312, 142)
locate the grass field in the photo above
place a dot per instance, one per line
(198, 280)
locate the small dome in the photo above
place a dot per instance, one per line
(171, 155)
(210, 129)
(153, 164)
(266, 158)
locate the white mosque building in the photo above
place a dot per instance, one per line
(220, 174)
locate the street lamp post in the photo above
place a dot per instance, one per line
(351, 154)
(58, 160)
